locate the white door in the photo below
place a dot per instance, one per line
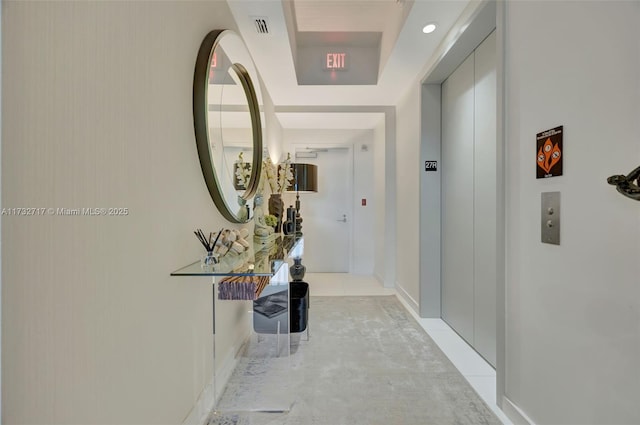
(327, 214)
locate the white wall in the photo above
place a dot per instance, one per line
(430, 202)
(573, 311)
(364, 216)
(97, 113)
(0, 217)
(379, 183)
(390, 206)
(407, 196)
(363, 180)
(273, 131)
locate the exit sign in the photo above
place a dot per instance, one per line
(214, 66)
(335, 61)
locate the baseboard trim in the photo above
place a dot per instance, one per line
(207, 399)
(204, 406)
(410, 301)
(383, 282)
(514, 413)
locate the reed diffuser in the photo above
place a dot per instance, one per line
(211, 258)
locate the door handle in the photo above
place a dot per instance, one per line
(343, 219)
(628, 185)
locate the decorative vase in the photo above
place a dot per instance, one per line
(289, 226)
(297, 270)
(276, 207)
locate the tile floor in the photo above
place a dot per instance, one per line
(474, 368)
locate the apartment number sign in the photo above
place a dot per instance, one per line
(431, 166)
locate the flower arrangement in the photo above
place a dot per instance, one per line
(263, 177)
(278, 177)
(242, 172)
(285, 174)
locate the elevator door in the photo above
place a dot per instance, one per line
(469, 199)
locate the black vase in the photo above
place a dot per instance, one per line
(289, 226)
(297, 270)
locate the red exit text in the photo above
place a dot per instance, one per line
(336, 61)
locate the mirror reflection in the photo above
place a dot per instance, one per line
(233, 125)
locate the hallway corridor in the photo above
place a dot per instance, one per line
(473, 367)
(369, 362)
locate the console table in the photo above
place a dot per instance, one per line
(251, 355)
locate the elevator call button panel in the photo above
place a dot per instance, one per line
(550, 218)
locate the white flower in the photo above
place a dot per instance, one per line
(278, 177)
(271, 175)
(243, 172)
(285, 174)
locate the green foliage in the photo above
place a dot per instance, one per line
(270, 220)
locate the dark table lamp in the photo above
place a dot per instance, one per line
(305, 179)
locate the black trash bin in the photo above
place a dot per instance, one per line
(270, 310)
(299, 302)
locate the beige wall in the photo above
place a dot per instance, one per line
(97, 113)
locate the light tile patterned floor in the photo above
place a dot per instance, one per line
(344, 284)
(474, 368)
(368, 362)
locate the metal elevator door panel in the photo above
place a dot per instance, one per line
(485, 201)
(469, 200)
(457, 200)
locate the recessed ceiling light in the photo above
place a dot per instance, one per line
(429, 28)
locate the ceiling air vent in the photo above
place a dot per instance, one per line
(261, 24)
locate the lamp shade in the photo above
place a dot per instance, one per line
(305, 178)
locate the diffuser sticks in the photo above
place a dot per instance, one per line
(207, 243)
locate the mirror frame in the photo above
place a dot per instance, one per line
(201, 124)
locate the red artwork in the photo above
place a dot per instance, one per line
(549, 157)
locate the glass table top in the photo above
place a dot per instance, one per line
(258, 260)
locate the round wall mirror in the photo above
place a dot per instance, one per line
(227, 105)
